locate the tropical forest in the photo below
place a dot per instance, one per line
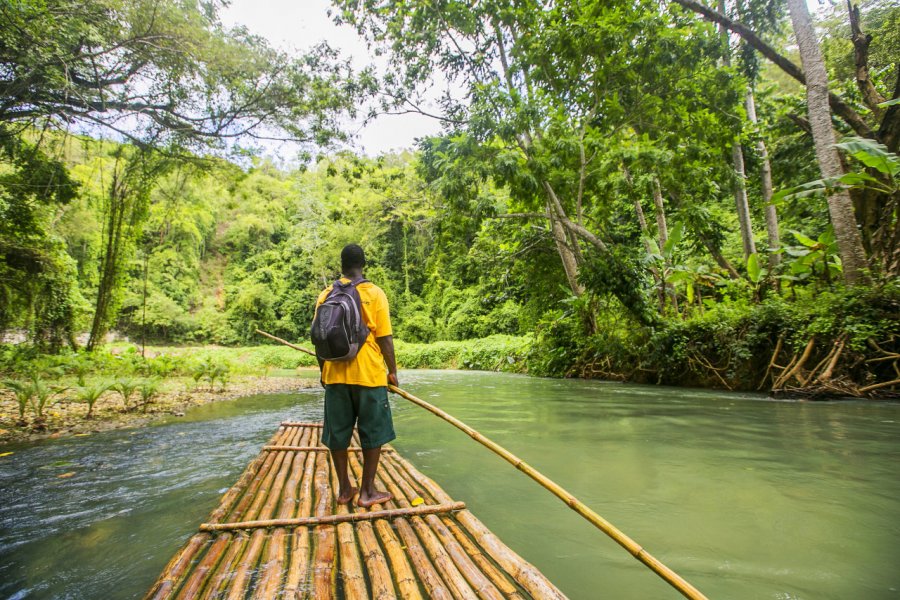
(682, 203)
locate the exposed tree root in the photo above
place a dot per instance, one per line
(821, 383)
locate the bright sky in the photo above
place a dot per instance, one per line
(300, 24)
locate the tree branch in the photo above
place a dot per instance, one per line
(525, 215)
(840, 108)
(861, 54)
(575, 228)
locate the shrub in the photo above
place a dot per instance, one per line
(89, 394)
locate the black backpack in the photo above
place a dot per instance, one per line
(338, 329)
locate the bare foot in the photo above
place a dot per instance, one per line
(366, 500)
(347, 497)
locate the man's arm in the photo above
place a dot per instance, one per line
(321, 362)
(386, 343)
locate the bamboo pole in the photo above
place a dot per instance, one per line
(298, 569)
(237, 587)
(470, 570)
(271, 571)
(231, 496)
(285, 342)
(670, 576)
(504, 583)
(204, 568)
(291, 488)
(352, 578)
(324, 565)
(260, 490)
(403, 497)
(164, 586)
(225, 572)
(276, 485)
(241, 507)
(349, 517)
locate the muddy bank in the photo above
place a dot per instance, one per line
(67, 418)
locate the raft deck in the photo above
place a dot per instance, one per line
(279, 533)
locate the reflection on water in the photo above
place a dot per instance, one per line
(745, 497)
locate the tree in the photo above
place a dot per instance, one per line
(737, 158)
(125, 206)
(38, 288)
(160, 72)
(840, 206)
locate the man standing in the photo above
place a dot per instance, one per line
(356, 389)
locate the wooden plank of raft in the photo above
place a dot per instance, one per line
(300, 424)
(334, 519)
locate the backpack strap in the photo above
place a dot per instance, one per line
(353, 282)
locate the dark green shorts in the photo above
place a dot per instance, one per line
(367, 407)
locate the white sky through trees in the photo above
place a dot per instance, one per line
(300, 24)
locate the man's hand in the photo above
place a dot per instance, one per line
(392, 379)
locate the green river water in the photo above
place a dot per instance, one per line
(745, 497)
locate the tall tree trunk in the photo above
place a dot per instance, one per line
(840, 207)
(742, 206)
(740, 200)
(774, 239)
(663, 238)
(109, 262)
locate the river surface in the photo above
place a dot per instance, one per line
(744, 497)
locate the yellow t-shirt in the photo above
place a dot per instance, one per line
(368, 367)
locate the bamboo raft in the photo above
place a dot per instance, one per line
(279, 533)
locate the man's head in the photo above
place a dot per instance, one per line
(353, 259)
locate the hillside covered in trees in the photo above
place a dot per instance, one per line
(644, 191)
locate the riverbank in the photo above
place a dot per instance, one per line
(737, 351)
(175, 397)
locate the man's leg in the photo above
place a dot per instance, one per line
(368, 495)
(347, 491)
(338, 428)
(376, 428)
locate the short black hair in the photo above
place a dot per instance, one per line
(352, 257)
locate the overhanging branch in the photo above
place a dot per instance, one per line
(841, 108)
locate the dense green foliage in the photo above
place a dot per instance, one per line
(577, 216)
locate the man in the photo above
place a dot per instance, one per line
(356, 390)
